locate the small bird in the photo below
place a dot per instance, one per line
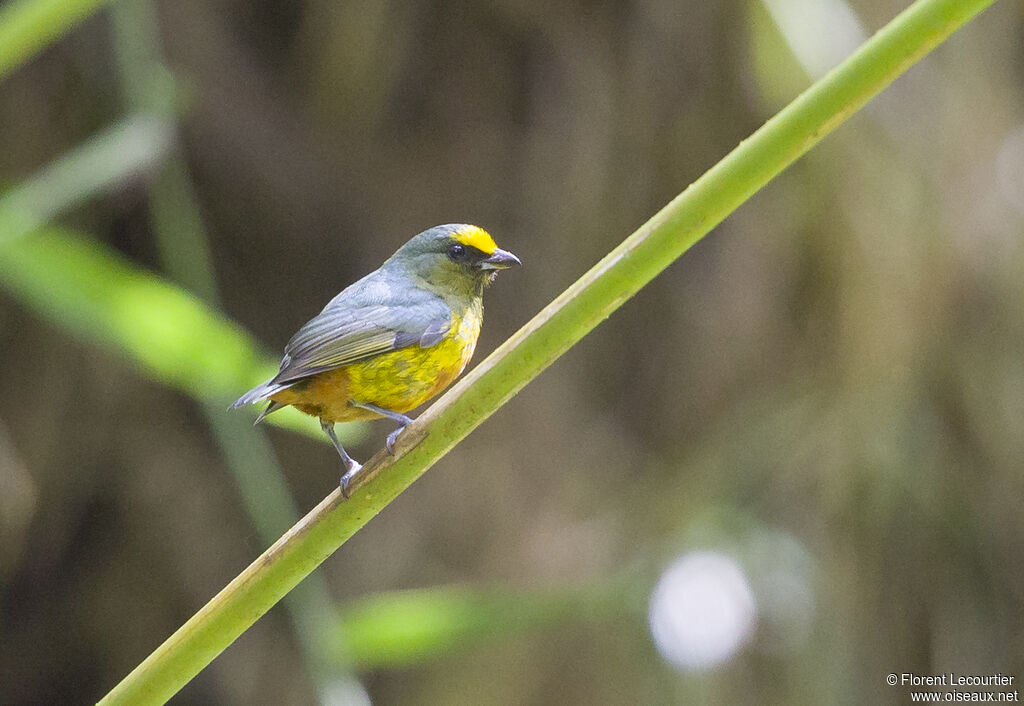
(392, 340)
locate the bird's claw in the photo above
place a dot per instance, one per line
(346, 479)
(389, 442)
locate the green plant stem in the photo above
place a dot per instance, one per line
(540, 342)
(27, 26)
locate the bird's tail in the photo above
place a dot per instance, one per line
(260, 393)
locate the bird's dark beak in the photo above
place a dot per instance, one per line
(499, 260)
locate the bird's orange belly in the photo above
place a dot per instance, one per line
(398, 380)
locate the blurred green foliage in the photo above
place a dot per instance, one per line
(26, 26)
(403, 628)
(172, 336)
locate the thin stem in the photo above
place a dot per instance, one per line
(590, 300)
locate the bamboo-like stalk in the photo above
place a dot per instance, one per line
(590, 300)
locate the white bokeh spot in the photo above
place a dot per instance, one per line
(702, 610)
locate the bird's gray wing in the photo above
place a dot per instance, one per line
(365, 320)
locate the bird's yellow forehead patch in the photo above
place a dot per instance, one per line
(476, 238)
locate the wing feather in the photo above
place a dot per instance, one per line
(362, 322)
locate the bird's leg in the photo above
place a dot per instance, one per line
(351, 465)
(402, 420)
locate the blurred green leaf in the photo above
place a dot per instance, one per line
(172, 336)
(27, 26)
(406, 627)
(102, 298)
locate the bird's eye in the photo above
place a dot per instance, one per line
(457, 253)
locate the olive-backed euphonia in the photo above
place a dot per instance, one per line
(392, 340)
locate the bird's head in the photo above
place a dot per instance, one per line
(454, 258)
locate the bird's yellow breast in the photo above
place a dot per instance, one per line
(399, 380)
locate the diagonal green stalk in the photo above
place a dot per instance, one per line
(590, 300)
(27, 26)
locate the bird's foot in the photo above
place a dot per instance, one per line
(346, 478)
(392, 438)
